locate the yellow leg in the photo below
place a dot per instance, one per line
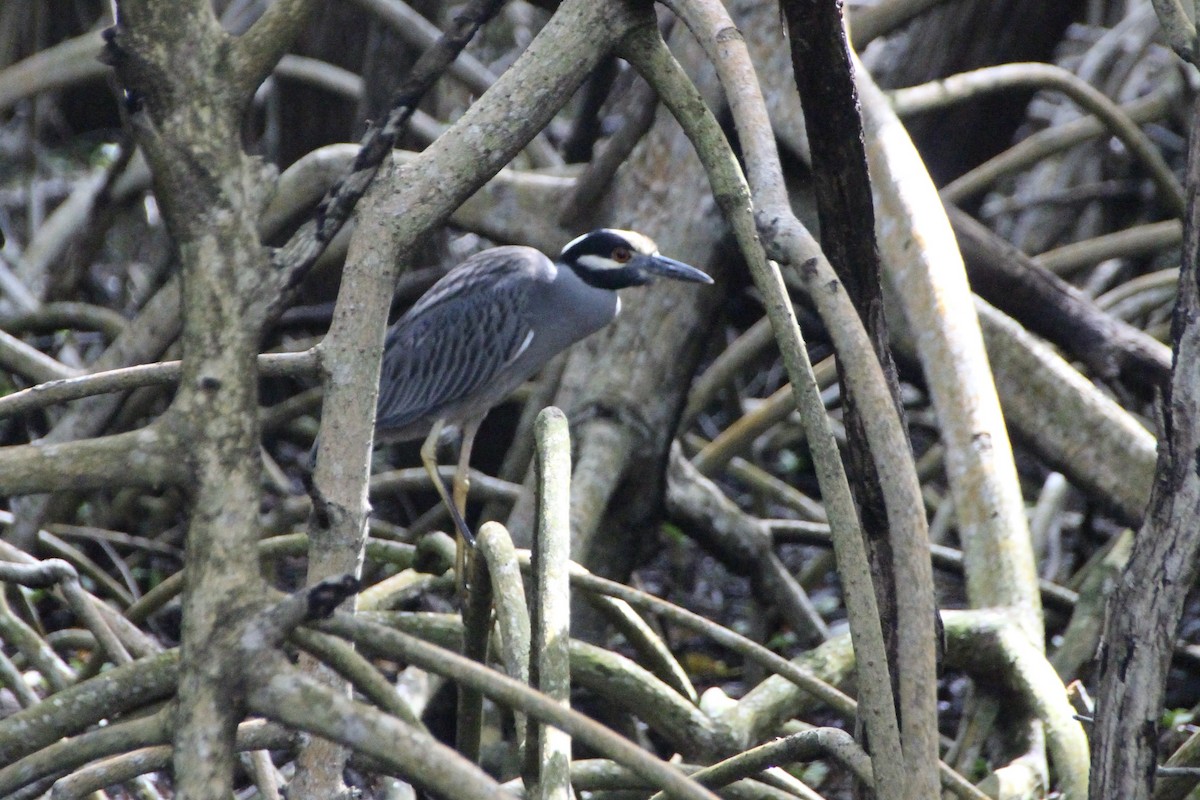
(462, 484)
(429, 459)
(429, 451)
(462, 474)
(456, 505)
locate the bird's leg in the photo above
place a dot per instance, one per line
(462, 475)
(429, 458)
(462, 484)
(464, 537)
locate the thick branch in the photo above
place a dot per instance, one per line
(1144, 611)
(924, 266)
(825, 77)
(650, 56)
(1050, 307)
(148, 458)
(256, 52)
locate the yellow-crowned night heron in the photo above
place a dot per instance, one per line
(493, 321)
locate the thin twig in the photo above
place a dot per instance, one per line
(965, 85)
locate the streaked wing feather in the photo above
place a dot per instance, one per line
(459, 337)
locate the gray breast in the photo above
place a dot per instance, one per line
(562, 312)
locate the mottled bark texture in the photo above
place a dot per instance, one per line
(825, 78)
(1144, 611)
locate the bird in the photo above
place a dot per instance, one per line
(492, 322)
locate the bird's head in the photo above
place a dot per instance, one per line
(614, 259)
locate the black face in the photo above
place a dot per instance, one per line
(612, 259)
(604, 259)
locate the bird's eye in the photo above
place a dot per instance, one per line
(622, 255)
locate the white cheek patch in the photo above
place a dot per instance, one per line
(597, 263)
